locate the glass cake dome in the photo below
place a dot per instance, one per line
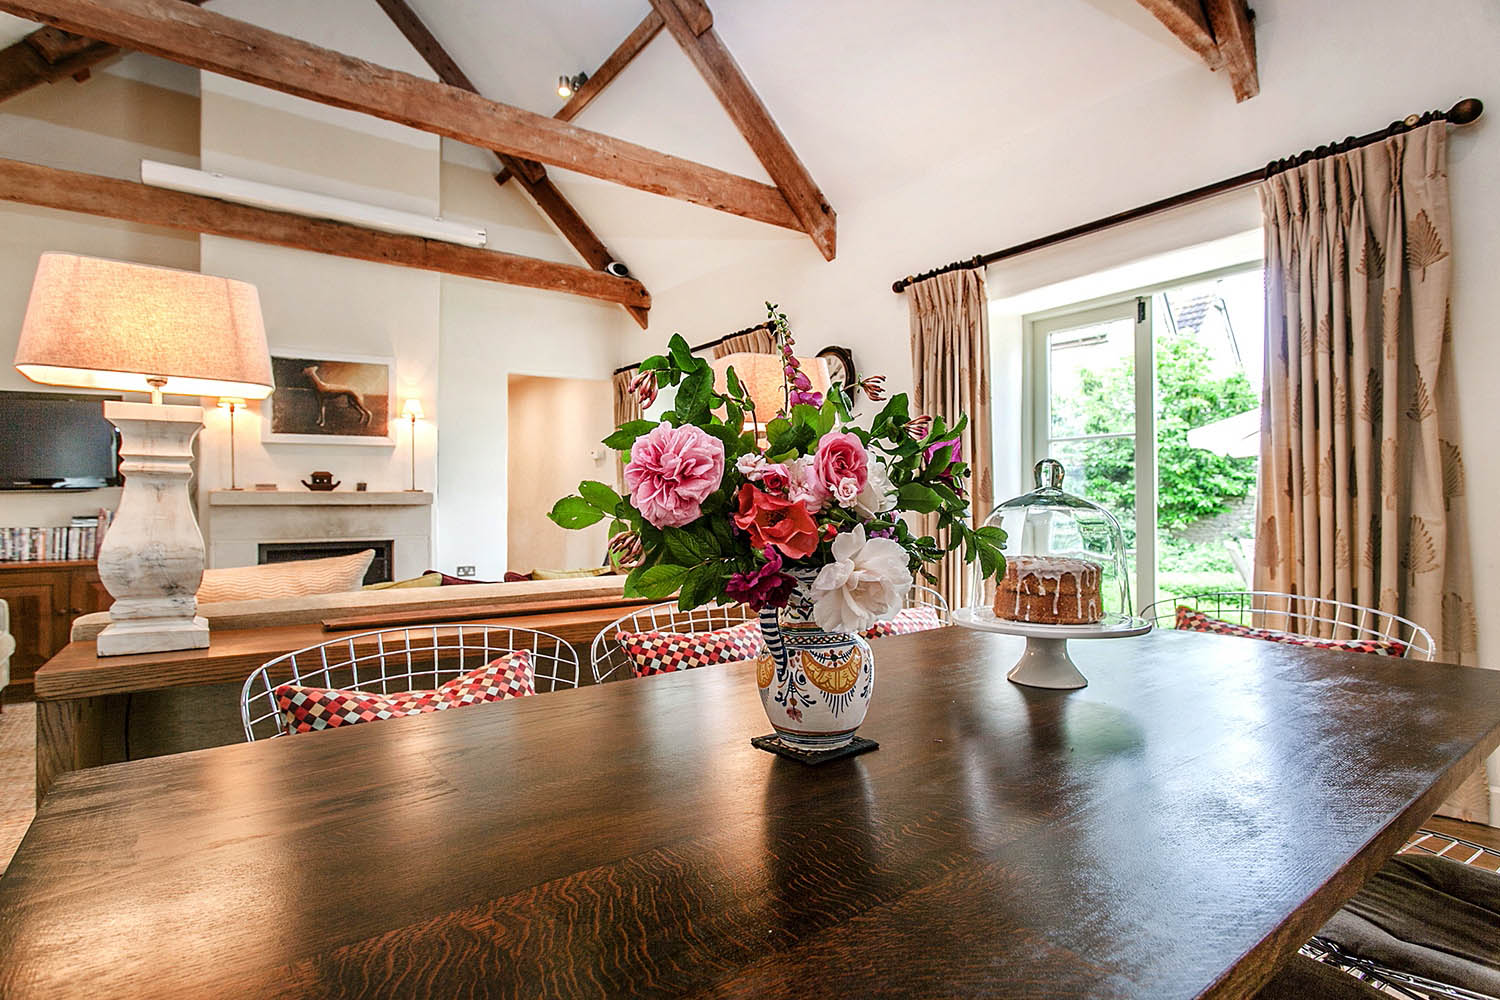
(1065, 561)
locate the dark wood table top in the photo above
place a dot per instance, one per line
(1173, 830)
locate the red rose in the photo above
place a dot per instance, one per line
(773, 521)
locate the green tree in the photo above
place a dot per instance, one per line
(1191, 483)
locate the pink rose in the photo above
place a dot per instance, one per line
(840, 457)
(804, 486)
(670, 473)
(846, 492)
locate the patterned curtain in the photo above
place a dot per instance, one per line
(950, 362)
(756, 341)
(1362, 483)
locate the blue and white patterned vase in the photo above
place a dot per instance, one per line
(815, 685)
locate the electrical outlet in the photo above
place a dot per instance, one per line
(466, 571)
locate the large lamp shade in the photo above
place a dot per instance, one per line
(763, 379)
(107, 324)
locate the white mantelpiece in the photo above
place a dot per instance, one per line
(236, 522)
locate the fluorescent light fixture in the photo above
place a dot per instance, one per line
(317, 206)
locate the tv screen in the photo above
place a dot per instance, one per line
(50, 441)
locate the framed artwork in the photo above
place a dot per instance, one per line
(322, 398)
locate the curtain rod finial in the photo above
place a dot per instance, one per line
(1466, 111)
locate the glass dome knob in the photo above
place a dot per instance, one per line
(1049, 474)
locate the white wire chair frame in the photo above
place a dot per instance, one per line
(607, 656)
(1314, 617)
(1398, 982)
(395, 660)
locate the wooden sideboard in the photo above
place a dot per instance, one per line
(44, 598)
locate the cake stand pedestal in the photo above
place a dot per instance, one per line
(1045, 663)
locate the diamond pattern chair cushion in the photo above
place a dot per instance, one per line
(667, 652)
(1195, 621)
(906, 621)
(308, 709)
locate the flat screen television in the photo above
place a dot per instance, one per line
(56, 441)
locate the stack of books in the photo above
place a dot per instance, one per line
(79, 540)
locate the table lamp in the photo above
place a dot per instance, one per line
(231, 403)
(764, 380)
(104, 324)
(412, 409)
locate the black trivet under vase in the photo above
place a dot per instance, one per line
(770, 743)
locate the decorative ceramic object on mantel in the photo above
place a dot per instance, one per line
(322, 482)
(781, 503)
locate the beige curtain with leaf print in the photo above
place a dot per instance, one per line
(950, 361)
(1362, 482)
(756, 341)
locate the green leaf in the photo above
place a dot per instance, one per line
(599, 495)
(682, 355)
(682, 546)
(732, 382)
(574, 513)
(655, 582)
(919, 498)
(625, 435)
(693, 397)
(776, 432)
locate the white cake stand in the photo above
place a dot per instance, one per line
(1045, 663)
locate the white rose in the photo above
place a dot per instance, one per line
(847, 491)
(867, 581)
(879, 495)
(748, 463)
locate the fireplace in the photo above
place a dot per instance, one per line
(380, 566)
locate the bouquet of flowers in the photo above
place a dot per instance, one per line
(726, 511)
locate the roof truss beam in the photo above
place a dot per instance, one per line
(1220, 32)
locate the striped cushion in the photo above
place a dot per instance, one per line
(336, 575)
(1195, 621)
(905, 622)
(309, 709)
(667, 652)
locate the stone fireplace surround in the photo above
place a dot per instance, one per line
(237, 522)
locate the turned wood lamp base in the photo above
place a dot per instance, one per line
(152, 558)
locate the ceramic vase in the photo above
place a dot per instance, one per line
(814, 685)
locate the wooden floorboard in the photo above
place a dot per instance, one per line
(17, 775)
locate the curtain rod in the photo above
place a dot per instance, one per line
(1462, 113)
(762, 325)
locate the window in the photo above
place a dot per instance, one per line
(1151, 403)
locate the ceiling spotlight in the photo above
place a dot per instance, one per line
(568, 85)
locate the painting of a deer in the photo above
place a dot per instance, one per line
(328, 392)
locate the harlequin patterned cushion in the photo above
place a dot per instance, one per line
(1195, 621)
(307, 709)
(906, 621)
(667, 652)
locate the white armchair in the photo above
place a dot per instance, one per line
(7, 647)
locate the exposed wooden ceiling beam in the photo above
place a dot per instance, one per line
(1230, 20)
(532, 175)
(708, 53)
(219, 44)
(67, 190)
(610, 68)
(1220, 32)
(51, 54)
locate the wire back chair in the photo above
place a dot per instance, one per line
(1314, 617)
(607, 656)
(1323, 618)
(1399, 982)
(923, 596)
(396, 660)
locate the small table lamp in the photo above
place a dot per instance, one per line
(412, 409)
(104, 324)
(764, 381)
(231, 403)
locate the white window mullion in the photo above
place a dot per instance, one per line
(1145, 454)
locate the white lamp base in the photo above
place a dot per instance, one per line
(151, 561)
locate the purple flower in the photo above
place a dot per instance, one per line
(951, 444)
(763, 587)
(798, 397)
(883, 533)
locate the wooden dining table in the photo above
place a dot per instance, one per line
(1175, 829)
